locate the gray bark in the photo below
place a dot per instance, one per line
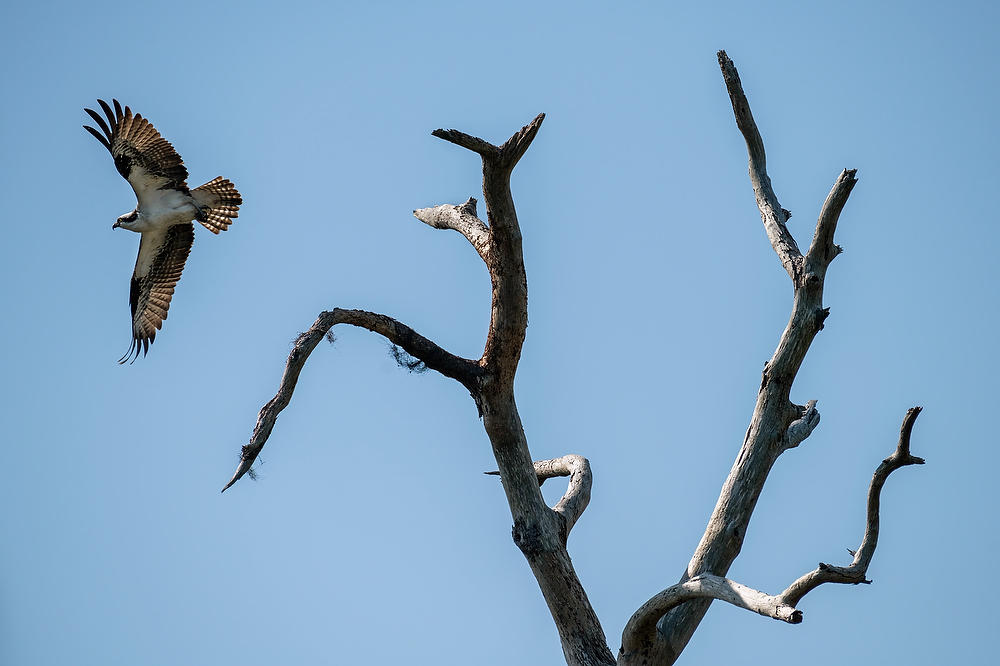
(774, 413)
(660, 629)
(641, 634)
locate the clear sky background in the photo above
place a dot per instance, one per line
(372, 536)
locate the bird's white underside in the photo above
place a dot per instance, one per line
(158, 211)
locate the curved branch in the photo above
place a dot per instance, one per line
(641, 635)
(434, 357)
(771, 212)
(577, 496)
(858, 569)
(640, 632)
(462, 219)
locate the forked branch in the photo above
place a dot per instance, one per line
(777, 423)
(504, 258)
(640, 633)
(434, 357)
(505, 156)
(539, 531)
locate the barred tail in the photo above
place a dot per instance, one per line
(219, 202)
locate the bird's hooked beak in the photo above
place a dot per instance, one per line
(126, 219)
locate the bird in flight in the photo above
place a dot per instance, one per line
(164, 214)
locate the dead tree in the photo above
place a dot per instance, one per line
(659, 630)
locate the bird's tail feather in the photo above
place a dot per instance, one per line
(219, 202)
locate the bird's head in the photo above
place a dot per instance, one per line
(125, 220)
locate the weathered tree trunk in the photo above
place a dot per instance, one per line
(660, 629)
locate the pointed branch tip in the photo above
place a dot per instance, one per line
(473, 143)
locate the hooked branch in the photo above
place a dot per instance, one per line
(855, 572)
(577, 496)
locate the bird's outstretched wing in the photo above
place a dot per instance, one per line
(162, 254)
(143, 157)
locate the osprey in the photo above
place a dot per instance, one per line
(164, 214)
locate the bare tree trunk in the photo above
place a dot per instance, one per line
(660, 629)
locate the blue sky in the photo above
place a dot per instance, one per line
(654, 299)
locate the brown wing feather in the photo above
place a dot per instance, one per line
(157, 270)
(143, 157)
